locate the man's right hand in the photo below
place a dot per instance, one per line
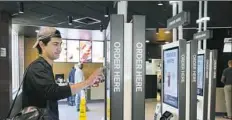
(93, 78)
(89, 82)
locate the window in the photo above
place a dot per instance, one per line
(15, 61)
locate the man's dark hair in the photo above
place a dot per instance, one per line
(47, 40)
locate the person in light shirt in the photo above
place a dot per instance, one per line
(79, 77)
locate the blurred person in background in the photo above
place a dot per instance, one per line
(79, 77)
(227, 80)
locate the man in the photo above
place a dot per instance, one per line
(39, 87)
(227, 80)
(79, 77)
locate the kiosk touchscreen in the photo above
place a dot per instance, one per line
(202, 84)
(174, 93)
(200, 74)
(170, 86)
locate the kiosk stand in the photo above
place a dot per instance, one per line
(191, 80)
(202, 84)
(206, 69)
(174, 80)
(212, 84)
(174, 67)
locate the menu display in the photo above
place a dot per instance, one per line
(85, 34)
(97, 35)
(200, 74)
(97, 52)
(81, 51)
(63, 54)
(73, 51)
(170, 77)
(85, 51)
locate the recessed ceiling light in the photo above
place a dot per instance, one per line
(147, 41)
(160, 3)
(21, 7)
(106, 12)
(37, 31)
(167, 32)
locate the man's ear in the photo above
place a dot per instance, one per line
(41, 44)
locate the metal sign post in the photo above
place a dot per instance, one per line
(182, 80)
(138, 69)
(193, 80)
(212, 84)
(206, 85)
(177, 21)
(203, 35)
(116, 67)
(182, 18)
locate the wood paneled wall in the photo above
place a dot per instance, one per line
(58, 68)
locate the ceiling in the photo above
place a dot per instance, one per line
(50, 13)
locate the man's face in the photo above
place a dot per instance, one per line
(53, 49)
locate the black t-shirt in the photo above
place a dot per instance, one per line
(227, 73)
(40, 89)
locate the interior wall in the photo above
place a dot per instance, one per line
(153, 51)
(30, 54)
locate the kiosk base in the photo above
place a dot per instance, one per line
(166, 116)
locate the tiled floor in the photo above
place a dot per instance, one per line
(97, 111)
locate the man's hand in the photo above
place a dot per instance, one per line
(89, 82)
(223, 79)
(94, 78)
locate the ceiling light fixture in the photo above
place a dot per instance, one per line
(37, 31)
(147, 41)
(106, 12)
(70, 20)
(21, 7)
(167, 32)
(160, 3)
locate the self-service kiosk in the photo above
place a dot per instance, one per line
(189, 82)
(174, 81)
(206, 84)
(202, 84)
